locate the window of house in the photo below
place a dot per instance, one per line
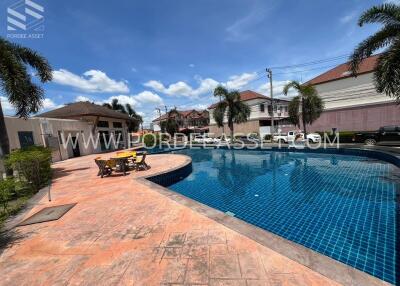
(102, 124)
(262, 107)
(117, 124)
(25, 138)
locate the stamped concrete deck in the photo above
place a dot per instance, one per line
(122, 232)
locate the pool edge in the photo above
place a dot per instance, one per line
(326, 266)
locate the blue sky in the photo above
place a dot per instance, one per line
(173, 53)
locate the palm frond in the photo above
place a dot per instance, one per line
(386, 14)
(293, 110)
(219, 113)
(293, 84)
(313, 108)
(387, 74)
(220, 91)
(35, 60)
(241, 112)
(373, 43)
(107, 105)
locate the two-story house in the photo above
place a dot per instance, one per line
(260, 116)
(188, 120)
(352, 103)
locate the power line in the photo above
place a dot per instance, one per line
(313, 62)
(301, 71)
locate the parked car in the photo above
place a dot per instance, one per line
(386, 135)
(291, 136)
(203, 138)
(222, 139)
(247, 139)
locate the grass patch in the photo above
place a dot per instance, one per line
(13, 208)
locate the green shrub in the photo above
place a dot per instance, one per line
(268, 137)
(151, 140)
(7, 189)
(344, 136)
(33, 165)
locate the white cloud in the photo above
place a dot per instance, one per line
(48, 103)
(397, 2)
(148, 97)
(239, 81)
(206, 85)
(5, 104)
(90, 81)
(142, 99)
(277, 87)
(133, 69)
(82, 98)
(191, 65)
(349, 17)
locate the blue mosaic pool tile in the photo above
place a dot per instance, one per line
(341, 206)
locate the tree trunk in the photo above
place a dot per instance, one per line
(4, 141)
(231, 128)
(303, 117)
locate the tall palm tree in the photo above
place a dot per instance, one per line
(16, 83)
(115, 105)
(387, 73)
(230, 104)
(134, 124)
(308, 101)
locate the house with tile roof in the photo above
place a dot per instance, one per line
(352, 103)
(72, 124)
(260, 116)
(189, 121)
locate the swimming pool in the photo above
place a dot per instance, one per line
(341, 206)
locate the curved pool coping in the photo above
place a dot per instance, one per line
(329, 267)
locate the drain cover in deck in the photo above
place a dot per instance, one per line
(48, 214)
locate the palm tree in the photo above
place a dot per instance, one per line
(310, 104)
(115, 105)
(134, 124)
(230, 104)
(387, 73)
(16, 83)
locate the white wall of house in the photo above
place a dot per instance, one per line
(255, 108)
(350, 92)
(47, 132)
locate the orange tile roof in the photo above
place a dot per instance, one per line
(248, 95)
(342, 71)
(185, 113)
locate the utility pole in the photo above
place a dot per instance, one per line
(269, 75)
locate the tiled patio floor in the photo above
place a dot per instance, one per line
(122, 232)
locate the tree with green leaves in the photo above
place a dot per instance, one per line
(387, 73)
(115, 105)
(134, 124)
(17, 84)
(307, 105)
(230, 105)
(171, 125)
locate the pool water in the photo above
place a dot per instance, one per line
(341, 206)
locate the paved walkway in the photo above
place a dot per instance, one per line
(122, 232)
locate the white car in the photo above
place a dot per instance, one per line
(314, 138)
(291, 136)
(203, 139)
